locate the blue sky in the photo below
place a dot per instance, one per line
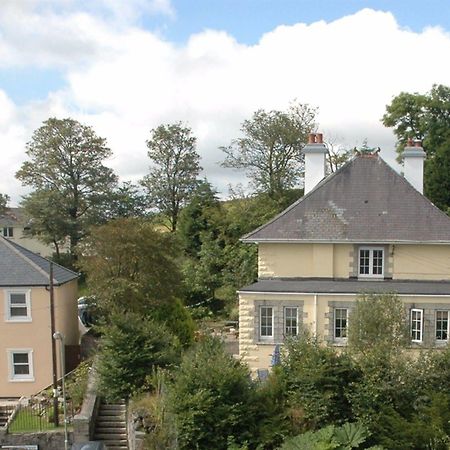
(247, 20)
(124, 67)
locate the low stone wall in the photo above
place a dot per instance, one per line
(84, 422)
(53, 440)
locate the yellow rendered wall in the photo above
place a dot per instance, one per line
(304, 260)
(342, 258)
(36, 335)
(423, 262)
(316, 316)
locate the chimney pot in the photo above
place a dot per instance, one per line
(418, 143)
(315, 153)
(410, 142)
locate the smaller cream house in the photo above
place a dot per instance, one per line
(14, 225)
(364, 228)
(25, 323)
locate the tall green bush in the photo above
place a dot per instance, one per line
(211, 397)
(316, 380)
(130, 348)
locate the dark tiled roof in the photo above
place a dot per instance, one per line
(364, 201)
(346, 286)
(20, 267)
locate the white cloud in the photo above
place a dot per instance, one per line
(131, 80)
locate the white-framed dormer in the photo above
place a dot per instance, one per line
(17, 305)
(20, 364)
(371, 261)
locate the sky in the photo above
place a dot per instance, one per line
(124, 67)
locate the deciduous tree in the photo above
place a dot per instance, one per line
(270, 149)
(130, 266)
(426, 117)
(4, 199)
(66, 167)
(173, 175)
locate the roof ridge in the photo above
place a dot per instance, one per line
(320, 184)
(12, 246)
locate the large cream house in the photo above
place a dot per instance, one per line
(364, 228)
(14, 226)
(25, 324)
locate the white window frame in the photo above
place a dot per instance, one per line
(415, 320)
(261, 336)
(20, 377)
(448, 324)
(370, 274)
(285, 322)
(8, 317)
(8, 232)
(340, 338)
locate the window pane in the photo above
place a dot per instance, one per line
(364, 262)
(377, 262)
(442, 325)
(21, 365)
(20, 358)
(20, 369)
(18, 299)
(266, 321)
(18, 311)
(290, 321)
(416, 325)
(340, 323)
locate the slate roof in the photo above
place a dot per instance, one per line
(347, 286)
(364, 201)
(21, 267)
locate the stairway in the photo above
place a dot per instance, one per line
(111, 425)
(5, 411)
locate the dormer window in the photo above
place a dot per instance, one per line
(371, 262)
(8, 232)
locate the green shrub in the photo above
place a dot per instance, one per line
(316, 380)
(130, 348)
(76, 384)
(211, 397)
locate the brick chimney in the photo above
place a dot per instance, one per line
(315, 152)
(413, 157)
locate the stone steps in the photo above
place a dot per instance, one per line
(111, 425)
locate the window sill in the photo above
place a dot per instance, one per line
(19, 320)
(339, 343)
(22, 380)
(268, 343)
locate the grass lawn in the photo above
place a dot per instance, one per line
(29, 420)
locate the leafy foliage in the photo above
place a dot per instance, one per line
(126, 200)
(131, 347)
(270, 149)
(378, 321)
(4, 199)
(210, 397)
(66, 169)
(346, 437)
(130, 266)
(316, 380)
(426, 117)
(173, 177)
